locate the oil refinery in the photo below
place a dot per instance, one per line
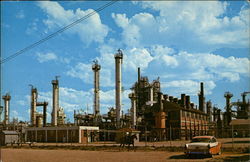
(153, 114)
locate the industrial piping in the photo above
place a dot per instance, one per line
(118, 85)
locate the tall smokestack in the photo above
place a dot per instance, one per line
(201, 98)
(1, 110)
(187, 102)
(228, 96)
(96, 68)
(138, 100)
(33, 99)
(244, 97)
(183, 100)
(6, 99)
(55, 102)
(139, 74)
(160, 101)
(209, 111)
(118, 85)
(133, 107)
(45, 104)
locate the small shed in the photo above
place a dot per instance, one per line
(7, 137)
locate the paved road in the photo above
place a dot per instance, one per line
(35, 155)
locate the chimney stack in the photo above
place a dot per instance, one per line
(209, 110)
(165, 96)
(160, 101)
(188, 102)
(118, 85)
(6, 99)
(171, 98)
(139, 74)
(176, 100)
(201, 98)
(45, 104)
(1, 110)
(55, 101)
(183, 100)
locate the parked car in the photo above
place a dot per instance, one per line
(203, 145)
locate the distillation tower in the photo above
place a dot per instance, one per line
(118, 85)
(6, 99)
(55, 101)
(96, 68)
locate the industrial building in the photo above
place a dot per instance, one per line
(71, 134)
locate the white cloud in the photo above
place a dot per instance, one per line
(82, 71)
(20, 14)
(136, 57)
(197, 66)
(132, 59)
(32, 27)
(189, 87)
(15, 114)
(135, 27)
(184, 24)
(166, 63)
(51, 56)
(120, 19)
(46, 57)
(21, 102)
(89, 30)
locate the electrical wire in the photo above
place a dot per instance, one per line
(57, 32)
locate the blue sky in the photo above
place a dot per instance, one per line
(184, 43)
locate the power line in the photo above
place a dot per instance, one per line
(57, 32)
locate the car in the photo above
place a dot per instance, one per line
(203, 145)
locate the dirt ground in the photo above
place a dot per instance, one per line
(36, 155)
(60, 152)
